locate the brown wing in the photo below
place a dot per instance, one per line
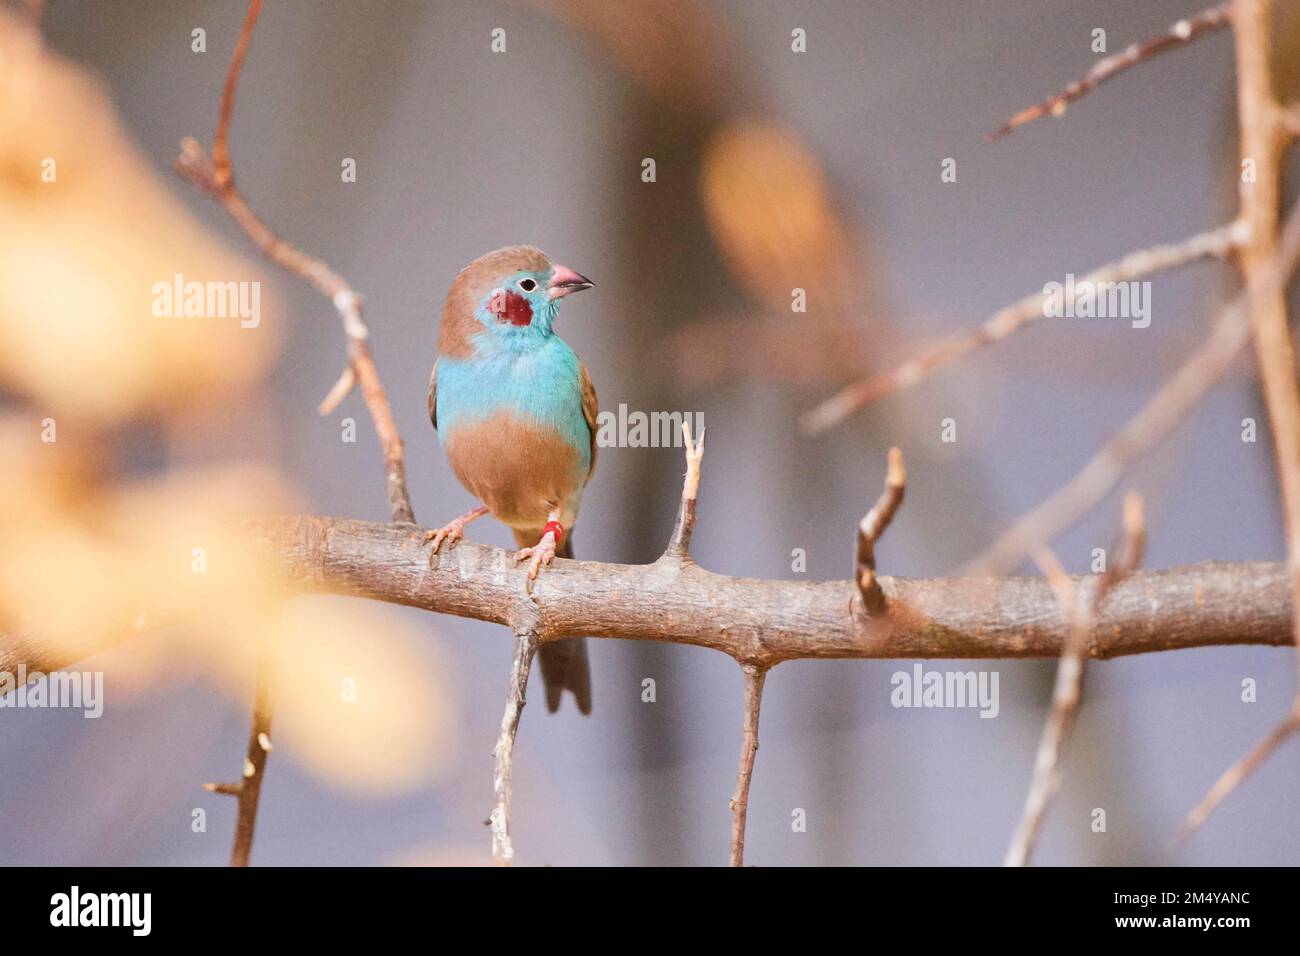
(590, 408)
(433, 396)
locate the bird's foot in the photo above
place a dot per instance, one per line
(451, 532)
(543, 552)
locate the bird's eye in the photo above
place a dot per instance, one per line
(527, 284)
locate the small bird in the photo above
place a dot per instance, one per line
(515, 411)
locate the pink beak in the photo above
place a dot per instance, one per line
(566, 281)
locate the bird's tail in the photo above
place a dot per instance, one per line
(564, 662)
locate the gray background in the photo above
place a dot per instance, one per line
(460, 151)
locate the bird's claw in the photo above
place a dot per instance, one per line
(449, 533)
(541, 555)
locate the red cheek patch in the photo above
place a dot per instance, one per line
(510, 307)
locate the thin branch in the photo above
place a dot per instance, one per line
(503, 754)
(249, 788)
(1180, 34)
(678, 552)
(216, 177)
(679, 543)
(1263, 137)
(1068, 689)
(754, 678)
(1217, 243)
(259, 748)
(1147, 429)
(873, 525)
(1235, 775)
(766, 622)
(1262, 141)
(339, 391)
(1143, 432)
(223, 174)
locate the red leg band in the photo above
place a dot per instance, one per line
(556, 527)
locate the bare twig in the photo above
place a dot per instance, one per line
(503, 754)
(1217, 242)
(1068, 688)
(259, 747)
(216, 177)
(873, 525)
(679, 543)
(1235, 775)
(1150, 426)
(223, 174)
(347, 381)
(249, 787)
(754, 677)
(1180, 34)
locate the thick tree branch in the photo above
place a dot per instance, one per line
(766, 622)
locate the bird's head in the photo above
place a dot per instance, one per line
(506, 298)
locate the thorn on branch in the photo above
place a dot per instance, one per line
(342, 388)
(1180, 34)
(754, 678)
(679, 544)
(1068, 688)
(873, 525)
(503, 754)
(229, 789)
